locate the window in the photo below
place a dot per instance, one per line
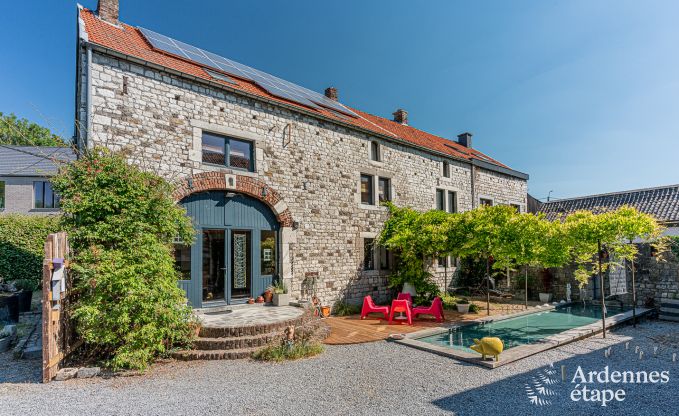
(441, 199)
(368, 258)
(443, 261)
(384, 189)
(367, 190)
(384, 259)
(268, 253)
(486, 202)
(227, 151)
(517, 207)
(452, 201)
(43, 196)
(446, 169)
(375, 151)
(2, 195)
(182, 259)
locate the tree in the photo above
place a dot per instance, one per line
(122, 223)
(21, 132)
(589, 235)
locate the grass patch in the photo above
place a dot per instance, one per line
(296, 351)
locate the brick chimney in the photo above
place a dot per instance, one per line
(331, 92)
(108, 11)
(401, 116)
(465, 139)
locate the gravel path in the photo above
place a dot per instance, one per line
(375, 378)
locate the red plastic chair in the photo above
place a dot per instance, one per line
(370, 307)
(436, 309)
(405, 296)
(401, 306)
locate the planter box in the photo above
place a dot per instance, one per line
(281, 299)
(545, 297)
(463, 308)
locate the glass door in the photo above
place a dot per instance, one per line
(241, 264)
(214, 268)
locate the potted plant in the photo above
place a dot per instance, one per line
(281, 297)
(268, 294)
(546, 278)
(25, 294)
(325, 311)
(462, 305)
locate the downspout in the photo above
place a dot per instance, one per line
(88, 110)
(473, 185)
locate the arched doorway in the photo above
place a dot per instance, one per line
(236, 252)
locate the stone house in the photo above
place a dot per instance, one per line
(654, 279)
(281, 181)
(24, 178)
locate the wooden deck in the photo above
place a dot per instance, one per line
(353, 330)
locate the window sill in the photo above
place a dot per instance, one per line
(372, 207)
(376, 163)
(44, 210)
(226, 169)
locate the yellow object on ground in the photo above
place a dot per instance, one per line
(492, 346)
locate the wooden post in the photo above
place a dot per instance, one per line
(634, 296)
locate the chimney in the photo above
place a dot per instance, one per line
(108, 11)
(465, 139)
(401, 116)
(331, 92)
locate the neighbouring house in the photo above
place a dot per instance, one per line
(654, 279)
(281, 181)
(24, 178)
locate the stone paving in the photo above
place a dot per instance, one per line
(250, 315)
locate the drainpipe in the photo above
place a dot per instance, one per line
(473, 185)
(88, 124)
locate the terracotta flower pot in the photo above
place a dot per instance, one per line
(260, 299)
(268, 296)
(325, 311)
(251, 301)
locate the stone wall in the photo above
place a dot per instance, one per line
(157, 119)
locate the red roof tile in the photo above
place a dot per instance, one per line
(129, 41)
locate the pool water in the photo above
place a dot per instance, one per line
(526, 329)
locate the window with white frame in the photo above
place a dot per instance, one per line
(384, 189)
(486, 202)
(441, 199)
(367, 192)
(375, 154)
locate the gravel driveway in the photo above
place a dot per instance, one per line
(374, 378)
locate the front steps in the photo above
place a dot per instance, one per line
(237, 342)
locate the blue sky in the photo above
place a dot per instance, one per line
(582, 95)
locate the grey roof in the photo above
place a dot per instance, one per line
(33, 160)
(661, 202)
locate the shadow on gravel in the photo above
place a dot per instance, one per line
(543, 391)
(19, 371)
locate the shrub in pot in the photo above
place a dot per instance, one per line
(281, 297)
(463, 306)
(268, 294)
(26, 288)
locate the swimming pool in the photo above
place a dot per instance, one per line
(521, 330)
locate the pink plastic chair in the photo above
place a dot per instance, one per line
(402, 306)
(370, 307)
(436, 309)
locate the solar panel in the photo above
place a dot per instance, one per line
(273, 85)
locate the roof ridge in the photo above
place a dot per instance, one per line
(631, 191)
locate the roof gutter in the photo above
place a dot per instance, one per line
(294, 108)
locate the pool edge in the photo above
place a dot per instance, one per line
(520, 352)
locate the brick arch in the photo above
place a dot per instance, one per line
(218, 181)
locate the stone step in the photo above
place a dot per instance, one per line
(233, 343)
(192, 355)
(248, 330)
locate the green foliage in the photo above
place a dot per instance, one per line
(279, 287)
(449, 301)
(462, 302)
(284, 352)
(22, 242)
(673, 243)
(21, 132)
(472, 271)
(121, 223)
(345, 309)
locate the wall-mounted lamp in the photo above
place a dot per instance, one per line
(190, 183)
(295, 225)
(305, 185)
(265, 192)
(230, 194)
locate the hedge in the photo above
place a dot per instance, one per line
(22, 241)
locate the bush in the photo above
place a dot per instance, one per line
(345, 309)
(22, 242)
(449, 301)
(474, 308)
(284, 352)
(121, 224)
